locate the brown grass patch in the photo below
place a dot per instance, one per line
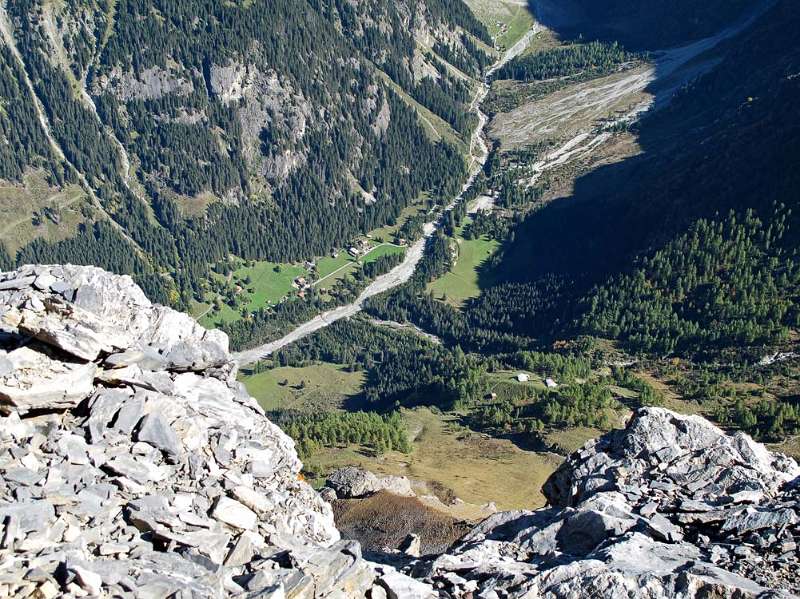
(477, 468)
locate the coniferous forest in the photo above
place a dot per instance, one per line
(199, 130)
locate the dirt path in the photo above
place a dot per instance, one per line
(397, 276)
(351, 263)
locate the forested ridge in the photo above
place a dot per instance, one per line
(726, 283)
(708, 260)
(587, 60)
(254, 129)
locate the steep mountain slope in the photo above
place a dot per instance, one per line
(640, 24)
(727, 143)
(200, 129)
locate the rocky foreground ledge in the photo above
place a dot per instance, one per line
(670, 507)
(132, 464)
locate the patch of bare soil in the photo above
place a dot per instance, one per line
(384, 520)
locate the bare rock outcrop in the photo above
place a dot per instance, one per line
(669, 507)
(351, 483)
(265, 104)
(150, 84)
(132, 464)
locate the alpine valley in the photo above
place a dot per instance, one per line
(475, 299)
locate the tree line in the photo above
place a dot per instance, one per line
(590, 59)
(311, 432)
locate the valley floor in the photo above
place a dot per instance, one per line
(497, 452)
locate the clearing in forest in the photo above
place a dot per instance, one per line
(316, 388)
(506, 20)
(461, 283)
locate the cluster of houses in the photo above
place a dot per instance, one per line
(302, 285)
(359, 248)
(502, 28)
(524, 377)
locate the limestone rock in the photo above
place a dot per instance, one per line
(328, 494)
(132, 464)
(667, 507)
(36, 380)
(399, 586)
(411, 545)
(157, 431)
(88, 313)
(351, 482)
(233, 513)
(397, 485)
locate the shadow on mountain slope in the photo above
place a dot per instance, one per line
(728, 141)
(641, 24)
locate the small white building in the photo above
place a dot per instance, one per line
(523, 377)
(551, 384)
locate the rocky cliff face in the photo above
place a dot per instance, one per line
(669, 507)
(133, 464)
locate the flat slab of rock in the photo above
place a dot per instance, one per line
(38, 381)
(156, 431)
(400, 586)
(233, 513)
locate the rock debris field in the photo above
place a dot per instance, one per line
(132, 464)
